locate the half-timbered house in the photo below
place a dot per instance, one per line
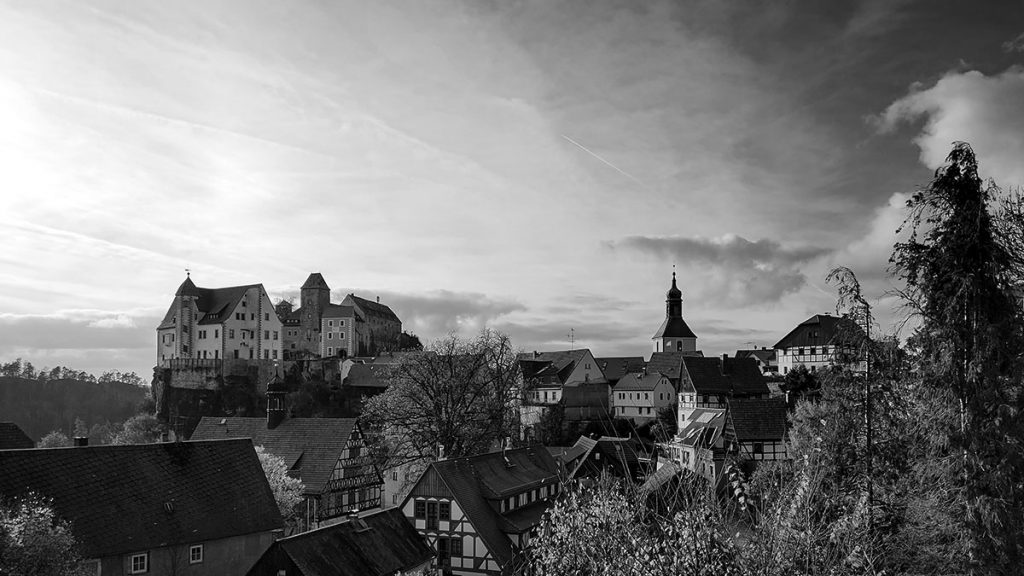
(478, 512)
(329, 455)
(760, 426)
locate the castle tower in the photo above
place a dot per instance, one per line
(316, 297)
(674, 335)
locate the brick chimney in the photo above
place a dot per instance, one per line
(81, 441)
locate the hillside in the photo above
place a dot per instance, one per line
(39, 407)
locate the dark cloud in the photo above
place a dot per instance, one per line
(732, 269)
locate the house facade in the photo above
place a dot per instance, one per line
(384, 329)
(190, 508)
(547, 378)
(238, 322)
(815, 343)
(760, 428)
(478, 512)
(640, 396)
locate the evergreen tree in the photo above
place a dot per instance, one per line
(961, 278)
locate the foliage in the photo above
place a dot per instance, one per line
(55, 439)
(607, 529)
(139, 429)
(962, 271)
(460, 397)
(798, 383)
(34, 542)
(41, 406)
(286, 489)
(409, 341)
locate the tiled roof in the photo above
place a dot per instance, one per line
(670, 363)
(623, 454)
(339, 311)
(366, 376)
(122, 499)
(318, 442)
(374, 308)
(765, 356)
(554, 366)
(758, 419)
(818, 330)
(715, 376)
(641, 382)
(674, 327)
(380, 543)
(660, 477)
(12, 437)
(315, 280)
(615, 368)
(476, 479)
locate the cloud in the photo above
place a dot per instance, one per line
(968, 106)
(77, 330)
(732, 269)
(1014, 45)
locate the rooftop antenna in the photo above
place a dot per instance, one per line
(572, 339)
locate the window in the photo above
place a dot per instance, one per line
(431, 515)
(394, 498)
(814, 351)
(216, 354)
(140, 563)
(394, 475)
(266, 316)
(341, 336)
(275, 334)
(330, 323)
(216, 333)
(266, 334)
(647, 396)
(330, 351)
(245, 303)
(420, 509)
(252, 316)
(824, 349)
(231, 333)
(274, 354)
(330, 335)
(800, 351)
(266, 354)
(456, 546)
(236, 353)
(446, 511)
(341, 323)
(758, 448)
(195, 554)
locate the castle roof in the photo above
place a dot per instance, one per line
(315, 281)
(372, 308)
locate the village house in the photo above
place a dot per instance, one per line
(238, 322)
(590, 458)
(704, 438)
(766, 358)
(760, 428)
(477, 512)
(12, 437)
(615, 368)
(378, 543)
(639, 397)
(815, 343)
(190, 508)
(711, 382)
(549, 376)
(329, 455)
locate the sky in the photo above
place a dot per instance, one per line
(530, 166)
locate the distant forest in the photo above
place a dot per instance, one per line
(47, 399)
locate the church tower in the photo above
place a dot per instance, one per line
(674, 335)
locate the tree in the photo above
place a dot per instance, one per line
(962, 272)
(409, 341)
(34, 542)
(139, 429)
(286, 489)
(459, 397)
(55, 439)
(799, 383)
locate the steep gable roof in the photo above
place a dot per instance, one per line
(622, 454)
(818, 330)
(757, 419)
(640, 382)
(551, 367)
(380, 543)
(670, 363)
(339, 311)
(122, 499)
(476, 480)
(717, 376)
(702, 427)
(373, 308)
(615, 368)
(310, 447)
(12, 437)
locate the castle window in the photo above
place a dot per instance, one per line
(266, 316)
(275, 334)
(274, 354)
(330, 335)
(244, 303)
(231, 334)
(330, 323)
(341, 336)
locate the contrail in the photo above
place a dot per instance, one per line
(607, 163)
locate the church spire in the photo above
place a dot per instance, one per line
(674, 300)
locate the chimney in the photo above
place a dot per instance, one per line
(536, 354)
(378, 299)
(81, 441)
